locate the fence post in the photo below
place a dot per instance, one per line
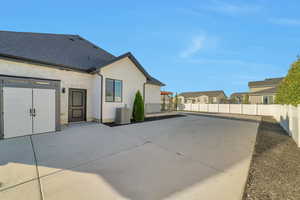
(242, 108)
(298, 121)
(256, 109)
(218, 108)
(286, 114)
(290, 114)
(229, 108)
(291, 122)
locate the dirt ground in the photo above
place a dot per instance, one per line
(275, 169)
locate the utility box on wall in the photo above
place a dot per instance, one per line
(123, 115)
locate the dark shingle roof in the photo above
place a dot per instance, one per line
(266, 82)
(266, 91)
(207, 93)
(66, 50)
(61, 50)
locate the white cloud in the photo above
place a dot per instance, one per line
(285, 21)
(196, 45)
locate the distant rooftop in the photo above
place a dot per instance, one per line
(200, 93)
(272, 90)
(166, 93)
(266, 82)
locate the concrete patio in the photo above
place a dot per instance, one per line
(191, 157)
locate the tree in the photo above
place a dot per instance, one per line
(176, 101)
(288, 91)
(246, 99)
(138, 112)
(233, 100)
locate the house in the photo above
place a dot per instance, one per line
(166, 100)
(48, 80)
(263, 92)
(202, 97)
(239, 97)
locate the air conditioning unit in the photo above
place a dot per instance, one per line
(123, 115)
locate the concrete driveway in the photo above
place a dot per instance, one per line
(192, 157)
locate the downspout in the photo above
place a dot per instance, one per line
(101, 97)
(144, 94)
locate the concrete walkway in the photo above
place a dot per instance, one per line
(192, 157)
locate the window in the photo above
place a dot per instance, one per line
(118, 91)
(113, 90)
(268, 100)
(214, 99)
(238, 99)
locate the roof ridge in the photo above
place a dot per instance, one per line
(37, 33)
(267, 79)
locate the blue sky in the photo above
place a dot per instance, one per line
(189, 45)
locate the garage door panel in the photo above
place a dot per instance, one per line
(17, 103)
(44, 105)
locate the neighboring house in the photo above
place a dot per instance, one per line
(203, 97)
(166, 97)
(263, 92)
(166, 100)
(152, 96)
(51, 79)
(238, 97)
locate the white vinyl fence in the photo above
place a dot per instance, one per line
(287, 115)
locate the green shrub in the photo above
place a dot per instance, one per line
(288, 91)
(246, 99)
(176, 101)
(233, 100)
(138, 113)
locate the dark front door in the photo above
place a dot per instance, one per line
(77, 105)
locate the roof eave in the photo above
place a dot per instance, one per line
(159, 84)
(136, 62)
(53, 65)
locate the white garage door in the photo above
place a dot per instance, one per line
(28, 111)
(17, 103)
(44, 110)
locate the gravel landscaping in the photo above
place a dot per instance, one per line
(275, 169)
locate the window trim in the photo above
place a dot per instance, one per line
(114, 80)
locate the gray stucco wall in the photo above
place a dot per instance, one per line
(152, 108)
